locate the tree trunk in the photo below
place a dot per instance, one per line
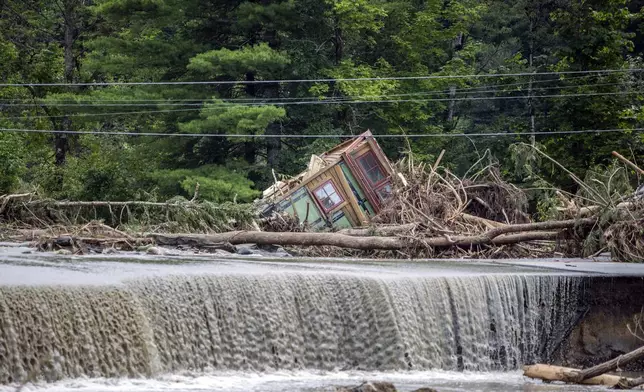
(629, 383)
(338, 42)
(533, 138)
(622, 360)
(250, 147)
(452, 104)
(273, 144)
(526, 232)
(61, 141)
(379, 230)
(69, 18)
(295, 239)
(594, 375)
(558, 373)
(589, 210)
(627, 162)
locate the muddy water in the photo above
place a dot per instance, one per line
(186, 323)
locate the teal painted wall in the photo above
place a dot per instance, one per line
(340, 221)
(297, 203)
(354, 184)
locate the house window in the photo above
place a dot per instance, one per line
(384, 191)
(328, 196)
(371, 167)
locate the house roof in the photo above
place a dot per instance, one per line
(335, 154)
(316, 164)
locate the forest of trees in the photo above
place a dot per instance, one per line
(73, 66)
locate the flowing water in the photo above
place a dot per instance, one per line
(200, 324)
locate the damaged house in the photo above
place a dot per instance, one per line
(343, 187)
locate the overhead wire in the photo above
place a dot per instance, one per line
(489, 87)
(322, 80)
(320, 136)
(293, 101)
(213, 106)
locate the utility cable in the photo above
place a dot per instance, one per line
(489, 87)
(274, 101)
(320, 136)
(320, 80)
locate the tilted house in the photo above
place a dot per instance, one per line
(343, 187)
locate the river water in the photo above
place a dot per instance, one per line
(192, 323)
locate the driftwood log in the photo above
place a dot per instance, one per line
(559, 373)
(385, 231)
(5, 199)
(630, 383)
(389, 230)
(590, 210)
(594, 375)
(608, 366)
(503, 235)
(627, 162)
(276, 238)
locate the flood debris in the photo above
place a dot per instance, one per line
(343, 187)
(596, 375)
(600, 373)
(427, 212)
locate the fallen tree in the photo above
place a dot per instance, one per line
(551, 373)
(174, 215)
(595, 375)
(384, 230)
(431, 213)
(497, 236)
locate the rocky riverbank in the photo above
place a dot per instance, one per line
(609, 323)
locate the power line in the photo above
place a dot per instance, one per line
(320, 136)
(373, 79)
(490, 87)
(225, 104)
(276, 101)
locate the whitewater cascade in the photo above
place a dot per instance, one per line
(282, 321)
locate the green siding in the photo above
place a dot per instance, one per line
(355, 185)
(297, 203)
(340, 220)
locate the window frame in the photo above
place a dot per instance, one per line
(380, 188)
(335, 189)
(385, 175)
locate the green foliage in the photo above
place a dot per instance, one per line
(258, 59)
(219, 117)
(108, 169)
(606, 185)
(12, 161)
(241, 41)
(216, 183)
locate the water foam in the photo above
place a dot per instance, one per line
(277, 322)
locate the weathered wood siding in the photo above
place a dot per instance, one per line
(344, 214)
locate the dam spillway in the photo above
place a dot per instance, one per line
(115, 319)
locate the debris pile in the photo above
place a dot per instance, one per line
(431, 212)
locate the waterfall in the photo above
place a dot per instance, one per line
(282, 321)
